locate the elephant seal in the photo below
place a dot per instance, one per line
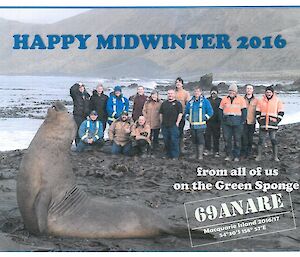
(51, 203)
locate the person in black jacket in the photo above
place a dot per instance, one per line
(98, 103)
(214, 123)
(81, 108)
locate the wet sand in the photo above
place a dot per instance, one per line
(149, 182)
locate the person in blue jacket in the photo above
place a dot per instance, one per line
(198, 110)
(90, 132)
(116, 104)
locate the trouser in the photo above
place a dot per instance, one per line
(171, 140)
(118, 149)
(141, 147)
(212, 132)
(84, 146)
(234, 132)
(78, 120)
(181, 127)
(104, 122)
(263, 134)
(247, 139)
(154, 136)
(198, 136)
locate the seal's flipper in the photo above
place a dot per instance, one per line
(40, 206)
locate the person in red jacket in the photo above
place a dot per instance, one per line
(269, 112)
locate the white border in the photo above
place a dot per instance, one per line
(131, 3)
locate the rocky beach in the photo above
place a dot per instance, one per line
(149, 182)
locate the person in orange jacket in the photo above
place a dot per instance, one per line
(269, 112)
(233, 114)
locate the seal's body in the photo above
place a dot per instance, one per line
(51, 203)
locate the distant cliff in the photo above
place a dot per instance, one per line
(157, 63)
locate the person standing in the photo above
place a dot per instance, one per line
(90, 132)
(116, 104)
(214, 123)
(151, 113)
(269, 112)
(138, 103)
(233, 113)
(170, 116)
(119, 135)
(98, 103)
(81, 104)
(198, 111)
(249, 126)
(183, 96)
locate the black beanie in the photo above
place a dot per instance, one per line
(214, 88)
(270, 88)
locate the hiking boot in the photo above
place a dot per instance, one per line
(181, 146)
(217, 155)
(275, 153)
(206, 152)
(259, 153)
(196, 153)
(200, 147)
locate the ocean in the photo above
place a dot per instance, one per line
(24, 101)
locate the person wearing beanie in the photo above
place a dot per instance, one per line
(233, 114)
(98, 103)
(233, 87)
(269, 112)
(138, 103)
(81, 102)
(90, 132)
(116, 104)
(119, 135)
(249, 126)
(183, 96)
(212, 132)
(151, 113)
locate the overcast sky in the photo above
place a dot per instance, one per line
(39, 15)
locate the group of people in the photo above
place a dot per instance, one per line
(233, 115)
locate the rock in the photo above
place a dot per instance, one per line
(297, 82)
(133, 85)
(206, 81)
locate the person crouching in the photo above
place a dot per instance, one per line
(119, 135)
(90, 132)
(198, 110)
(141, 137)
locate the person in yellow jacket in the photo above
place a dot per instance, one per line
(269, 112)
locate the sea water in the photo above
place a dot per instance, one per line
(24, 101)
